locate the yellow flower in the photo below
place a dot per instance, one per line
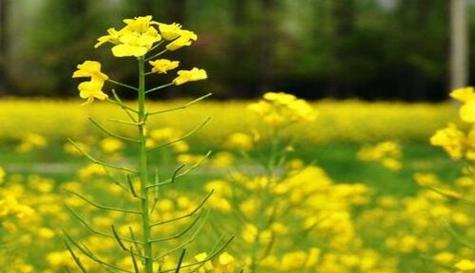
(135, 44)
(135, 39)
(240, 141)
(90, 170)
(194, 74)
(170, 31)
(249, 233)
(463, 94)
(226, 263)
(185, 39)
(31, 141)
(467, 111)
(163, 65)
(90, 69)
(91, 90)
(465, 265)
(451, 139)
(139, 24)
(111, 145)
(278, 109)
(112, 37)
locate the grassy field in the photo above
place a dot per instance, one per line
(338, 159)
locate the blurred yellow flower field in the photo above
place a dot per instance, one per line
(352, 121)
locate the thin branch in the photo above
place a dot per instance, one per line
(194, 130)
(134, 261)
(92, 230)
(112, 134)
(156, 45)
(123, 85)
(178, 234)
(135, 241)
(122, 245)
(200, 205)
(124, 107)
(159, 87)
(116, 181)
(75, 258)
(99, 206)
(131, 187)
(212, 256)
(125, 122)
(94, 160)
(170, 180)
(183, 106)
(183, 244)
(94, 258)
(117, 238)
(180, 261)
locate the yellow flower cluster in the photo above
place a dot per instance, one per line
(279, 109)
(138, 37)
(457, 143)
(31, 142)
(388, 153)
(91, 89)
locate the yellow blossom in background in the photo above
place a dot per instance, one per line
(222, 160)
(465, 265)
(451, 139)
(226, 263)
(72, 150)
(278, 109)
(111, 145)
(90, 170)
(30, 142)
(189, 159)
(240, 141)
(387, 153)
(194, 74)
(163, 65)
(426, 179)
(444, 257)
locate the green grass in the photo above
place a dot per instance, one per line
(339, 160)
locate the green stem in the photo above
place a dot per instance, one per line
(143, 170)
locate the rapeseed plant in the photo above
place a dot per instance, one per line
(141, 38)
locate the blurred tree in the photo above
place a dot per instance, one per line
(343, 30)
(459, 61)
(60, 40)
(4, 80)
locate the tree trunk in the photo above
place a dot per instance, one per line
(458, 44)
(4, 81)
(343, 21)
(266, 39)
